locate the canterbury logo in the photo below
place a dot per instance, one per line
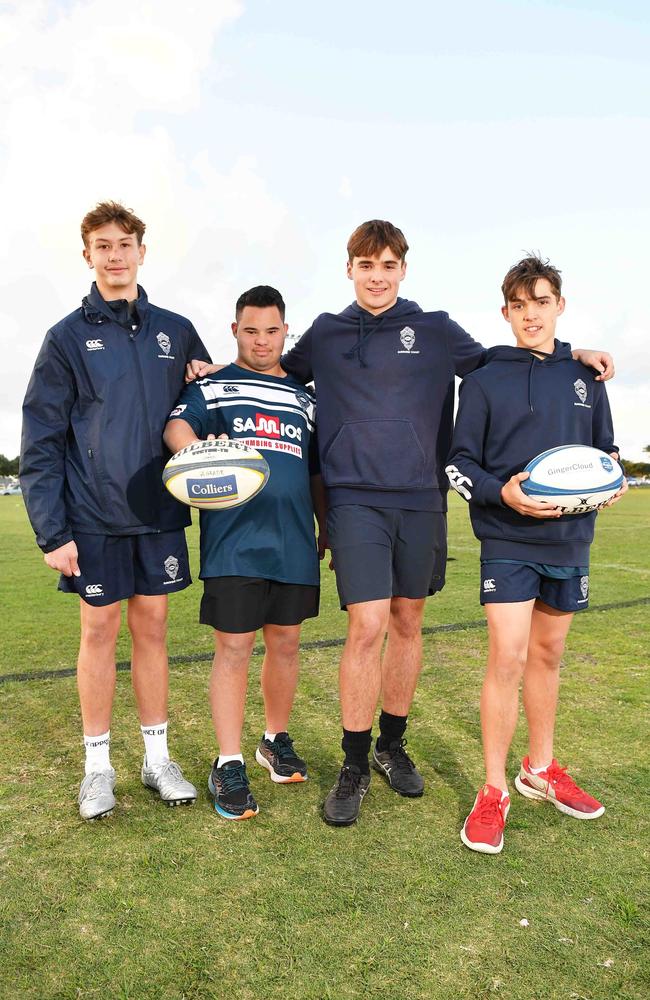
(459, 481)
(94, 590)
(230, 388)
(94, 345)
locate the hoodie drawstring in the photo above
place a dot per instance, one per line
(530, 383)
(364, 337)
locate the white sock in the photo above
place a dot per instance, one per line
(97, 752)
(269, 736)
(225, 757)
(155, 743)
(538, 770)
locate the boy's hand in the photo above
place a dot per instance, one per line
(64, 559)
(514, 497)
(199, 369)
(600, 360)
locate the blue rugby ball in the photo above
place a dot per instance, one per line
(574, 477)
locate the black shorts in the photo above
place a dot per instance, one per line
(116, 567)
(246, 603)
(382, 552)
(512, 583)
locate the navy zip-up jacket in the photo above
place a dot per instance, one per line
(96, 405)
(385, 401)
(514, 408)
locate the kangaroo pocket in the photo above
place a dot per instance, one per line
(384, 454)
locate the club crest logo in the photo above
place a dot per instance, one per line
(303, 400)
(171, 567)
(581, 390)
(164, 344)
(584, 586)
(606, 463)
(407, 338)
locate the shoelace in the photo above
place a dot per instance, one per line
(488, 811)
(283, 748)
(558, 777)
(402, 760)
(348, 783)
(234, 779)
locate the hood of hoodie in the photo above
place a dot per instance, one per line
(367, 324)
(522, 355)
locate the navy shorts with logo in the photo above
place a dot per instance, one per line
(116, 567)
(513, 582)
(381, 552)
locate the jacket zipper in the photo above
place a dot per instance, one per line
(144, 407)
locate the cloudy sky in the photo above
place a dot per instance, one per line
(252, 136)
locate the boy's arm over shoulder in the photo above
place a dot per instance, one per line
(464, 465)
(46, 418)
(298, 361)
(467, 354)
(602, 424)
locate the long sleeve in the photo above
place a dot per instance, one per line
(46, 418)
(603, 428)
(467, 353)
(298, 362)
(196, 349)
(464, 469)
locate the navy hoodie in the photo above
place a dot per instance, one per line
(514, 408)
(385, 387)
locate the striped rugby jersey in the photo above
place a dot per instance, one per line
(271, 536)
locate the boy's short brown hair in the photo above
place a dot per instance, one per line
(525, 275)
(371, 238)
(111, 211)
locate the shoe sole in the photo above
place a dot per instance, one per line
(386, 774)
(345, 822)
(279, 779)
(247, 814)
(533, 793)
(478, 847)
(98, 816)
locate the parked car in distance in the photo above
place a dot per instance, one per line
(13, 489)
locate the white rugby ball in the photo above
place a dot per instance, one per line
(215, 475)
(575, 478)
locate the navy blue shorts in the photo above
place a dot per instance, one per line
(511, 583)
(116, 567)
(381, 552)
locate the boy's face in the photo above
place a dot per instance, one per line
(533, 320)
(115, 256)
(376, 280)
(260, 334)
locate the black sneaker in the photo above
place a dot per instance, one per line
(343, 803)
(398, 769)
(280, 759)
(229, 787)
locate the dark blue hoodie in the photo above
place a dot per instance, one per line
(385, 389)
(514, 408)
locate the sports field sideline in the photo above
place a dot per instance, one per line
(158, 903)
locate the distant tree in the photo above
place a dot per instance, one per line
(8, 466)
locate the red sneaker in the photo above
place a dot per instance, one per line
(483, 829)
(559, 788)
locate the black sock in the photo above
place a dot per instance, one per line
(391, 729)
(356, 746)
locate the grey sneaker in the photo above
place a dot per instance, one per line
(96, 799)
(167, 779)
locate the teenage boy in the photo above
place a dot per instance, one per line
(259, 561)
(90, 469)
(384, 373)
(534, 560)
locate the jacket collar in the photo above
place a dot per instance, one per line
(97, 310)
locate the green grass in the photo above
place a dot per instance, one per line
(158, 903)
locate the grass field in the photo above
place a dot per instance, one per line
(158, 903)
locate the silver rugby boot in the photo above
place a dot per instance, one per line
(167, 779)
(96, 798)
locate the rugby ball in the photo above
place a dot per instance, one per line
(215, 475)
(575, 478)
